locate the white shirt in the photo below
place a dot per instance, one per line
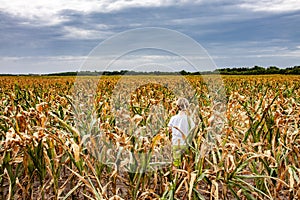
(181, 122)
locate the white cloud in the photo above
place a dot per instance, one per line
(49, 12)
(43, 58)
(79, 33)
(275, 6)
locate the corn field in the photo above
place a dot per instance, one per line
(246, 146)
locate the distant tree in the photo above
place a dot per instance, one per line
(273, 70)
(183, 72)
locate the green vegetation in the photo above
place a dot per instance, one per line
(259, 70)
(256, 70)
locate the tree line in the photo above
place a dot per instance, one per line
(256, 70)
(259, 70)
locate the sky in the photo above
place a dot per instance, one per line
(38, 36)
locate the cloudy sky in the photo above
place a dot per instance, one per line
(38, 36)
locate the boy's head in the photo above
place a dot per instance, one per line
(182, 104)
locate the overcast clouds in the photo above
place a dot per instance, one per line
(49, 36)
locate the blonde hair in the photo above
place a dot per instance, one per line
(183, 104)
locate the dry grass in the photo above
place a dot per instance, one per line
(245, 146)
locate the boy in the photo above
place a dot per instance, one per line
(180, 125)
